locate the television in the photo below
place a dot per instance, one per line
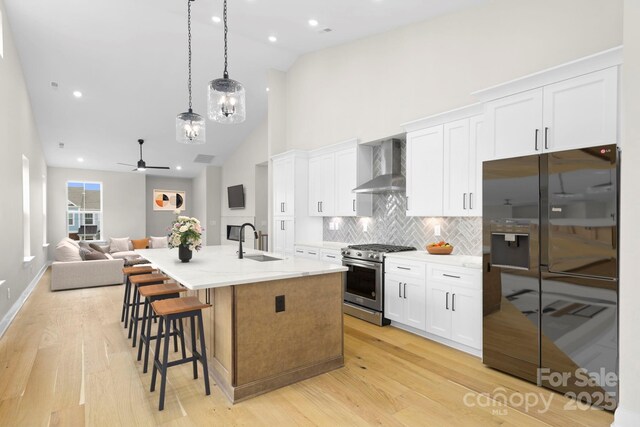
(236, 196)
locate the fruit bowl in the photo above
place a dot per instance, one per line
(439, 248)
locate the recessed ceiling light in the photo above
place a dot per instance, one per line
(273, 39)
(313, 22)
(80, 159)
(216, 19)
(267, 89)
(178, 168)
(77, 94)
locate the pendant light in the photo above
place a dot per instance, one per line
(226, 96)
(190, 127)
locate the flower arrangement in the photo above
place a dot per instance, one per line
(187, 232)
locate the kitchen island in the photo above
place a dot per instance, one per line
(272, 322)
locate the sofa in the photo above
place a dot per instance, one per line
(70, 271)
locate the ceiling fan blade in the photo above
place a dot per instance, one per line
(124, 164)
(158, 167)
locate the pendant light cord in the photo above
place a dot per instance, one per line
(226, 30)
(189, 41)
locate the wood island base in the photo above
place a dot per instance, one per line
(253, 346)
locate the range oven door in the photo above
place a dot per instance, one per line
(363, 284)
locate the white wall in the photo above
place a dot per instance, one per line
(367, 88)
(628, 413)
(18, 136)
(240, 168)
(123, 198)
(157, 222)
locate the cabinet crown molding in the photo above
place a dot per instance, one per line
(291, 153)
(349, 143)
(444, 117)
(588, 64)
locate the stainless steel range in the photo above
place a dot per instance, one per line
(364, 284)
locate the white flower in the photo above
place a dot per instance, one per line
(184, 228)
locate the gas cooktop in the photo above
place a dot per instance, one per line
(373, 251)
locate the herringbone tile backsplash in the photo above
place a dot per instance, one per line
(389, 224)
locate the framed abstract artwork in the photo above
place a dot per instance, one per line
(168, 200)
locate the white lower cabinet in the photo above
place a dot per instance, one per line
(454, 304)
(404, 300)
(331, 255)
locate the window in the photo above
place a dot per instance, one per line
(84, 210)
(26, 210)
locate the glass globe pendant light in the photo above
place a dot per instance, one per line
(190, 127)
(226, 100)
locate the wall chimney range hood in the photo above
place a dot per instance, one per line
(390, 178)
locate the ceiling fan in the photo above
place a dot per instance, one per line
(142, 166)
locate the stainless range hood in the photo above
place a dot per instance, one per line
(391, 178)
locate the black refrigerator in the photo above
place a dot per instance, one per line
(550, 279)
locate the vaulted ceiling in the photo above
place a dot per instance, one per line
(129, 60)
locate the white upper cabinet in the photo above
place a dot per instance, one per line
(581, 112)
(333, 173)
(424, 172)
(514, 124)
(322, 185)
(462, 161)
(283, 186)
(573, 105)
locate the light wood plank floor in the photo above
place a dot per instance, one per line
(65, 361)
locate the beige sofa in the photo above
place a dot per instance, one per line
(69, 272)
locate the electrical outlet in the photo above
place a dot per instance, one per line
(332, 226)
(436, 230)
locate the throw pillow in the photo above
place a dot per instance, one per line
(130, 245)
(66, 252)
(97, 247)
(140, 243)
(73, 242)
(83, 252)
(84, 244)
(159, 242)
(94, 256)
(120, 244)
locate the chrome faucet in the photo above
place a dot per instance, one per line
(255, 233)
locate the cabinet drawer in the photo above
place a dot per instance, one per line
(405, 268)
(307, 252)
(333, 257)
(457, 276)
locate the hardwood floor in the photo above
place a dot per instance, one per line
(66, 361)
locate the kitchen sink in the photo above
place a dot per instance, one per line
(262, 258)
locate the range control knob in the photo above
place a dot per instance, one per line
(343, 252)
(359, 254)
(374, 256)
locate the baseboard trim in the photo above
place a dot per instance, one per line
(624, 417)
(15, 308)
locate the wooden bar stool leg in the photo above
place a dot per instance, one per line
(134, 318)
(148, 334)
(165, 361)
(136, 301)
(156, 358)
(193, 346)
(203, 355)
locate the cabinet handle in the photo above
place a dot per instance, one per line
(464, 200)
(313, 253)
(354, 205)
(407, 202)
(536, 138)
(318, 206)
(330, 256)
(281, 225)
(447, 303)
(404, 268)
(453, 302)
(546, 139)
(399, 289)
(470, 207)
(450, 275)
(404, 290)
(299, 251)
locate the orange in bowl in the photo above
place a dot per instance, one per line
(440, 248)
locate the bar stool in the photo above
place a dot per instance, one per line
(126, 301)
(168, 310)
(138, 281)
(155, 293)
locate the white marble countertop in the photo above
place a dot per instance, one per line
(459, 260)
(325, 245)
(219, 266)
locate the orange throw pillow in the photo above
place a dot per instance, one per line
(140, 243)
